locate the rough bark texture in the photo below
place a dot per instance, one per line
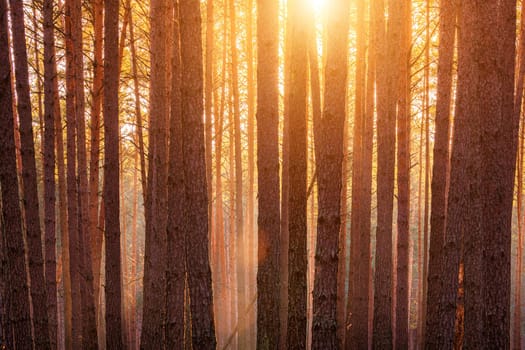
(403, 11)
(113, 285)
(95, 233)
(16, 281)
(156, 198)
(176, 271)
(196, 199)
(297, 199)
(440, 169)
(382, 324)
(268, 220)
(29, 178)
(50, 77)
(329, 176)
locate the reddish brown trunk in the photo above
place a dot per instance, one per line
(196, 200)
(268, 220)
(29, 179)
(16, 280)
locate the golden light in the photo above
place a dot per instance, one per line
(318, 5)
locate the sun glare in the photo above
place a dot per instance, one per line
(318, 5)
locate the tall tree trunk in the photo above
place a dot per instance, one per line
(156, 198)
(250, 204)
(18, 300)
(329, 173)
(176, 272)
(50, 77)
(95, 232)
(268, 220)
(499, 151)
(403, 175)
(239, 219)
(386, 119)
(72, 190)
(113, 284)
(440, 170)
(297, 224)
(358, 293)
(89, 326)
(208, 105)
(196, 201)
(29, 180)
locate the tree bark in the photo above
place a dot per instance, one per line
(386, 116)
(297, 224)
(268, 220)
(196, 201)
(440, 170)
(18, 300)
(29, 179)
(50, 77)
(329, 174)
(113, 287)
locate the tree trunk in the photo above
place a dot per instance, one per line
(297, 224)
(196, 201)
(329, 173)
(440, 171)
(403, 9)
(386, 119)
(176, 271)
(16, 277)
(156, 198)
(29, 180)
(268, 220)
(50, 77)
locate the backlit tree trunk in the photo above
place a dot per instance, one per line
(29, 179)
(329, 174)
(113, 287)
(196, 199)
(12, 234)
(268, 220)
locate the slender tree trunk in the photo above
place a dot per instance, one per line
(196, 201)
(18, 300)
(72, 190)
(382, 326)
(50, 77)
(297, 224)
(94, 160)
(113, 284)
(329, 172)
(403, 177)
(156, 199)
(250, 204)
(440, 171)
(268, 220)
(208, 105)
(29, 179)
(176, 272)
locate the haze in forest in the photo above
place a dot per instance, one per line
(261, 174)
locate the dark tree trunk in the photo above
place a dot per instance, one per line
(176, 272)
(196, 199)
(329, 174)
(50, 77)
(403, 12)
(114, 322)
(16, 281)
(156, 197)
(440, 170)
(297, 199)
(386, 119)
(268, 220)
(29, 178)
